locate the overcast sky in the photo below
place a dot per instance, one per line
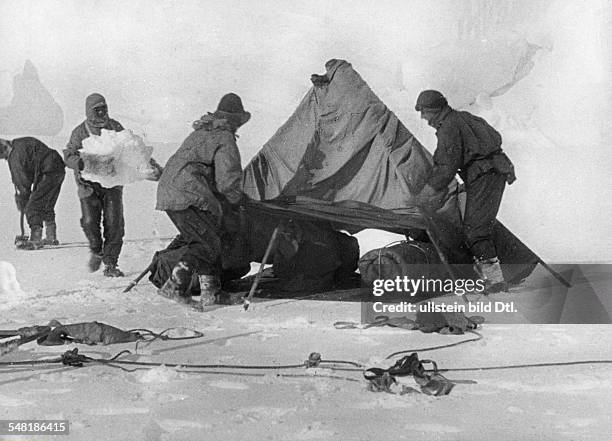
(162, 64)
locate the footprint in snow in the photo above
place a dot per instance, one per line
(170, 425)
(433, 428)
(314, 431)
(111, 411)
(223, 384)
(14, 402)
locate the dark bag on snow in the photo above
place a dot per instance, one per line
(411, 259)
(312, 257)
(165, 260)
(447, 322)
(89, 333)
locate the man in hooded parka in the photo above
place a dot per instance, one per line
(37, 172)
(202, 177)
(97, 203)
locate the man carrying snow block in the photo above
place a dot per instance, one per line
(468, 145)
(98, 203)
(199, 181)
(37, 172)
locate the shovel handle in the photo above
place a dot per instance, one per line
(21, 216)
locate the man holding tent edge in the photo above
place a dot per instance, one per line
(468, 145)
(200, 182)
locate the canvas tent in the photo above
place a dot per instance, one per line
(341, 143)
(345, 159)
(342, 162)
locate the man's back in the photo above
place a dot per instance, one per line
(190, 176)
(30, 158)
(478, 138)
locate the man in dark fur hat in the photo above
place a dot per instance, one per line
(201, 178)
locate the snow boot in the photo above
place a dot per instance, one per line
(35, 241)
(211, 293)
(95, 260)
(490, 270)
(177, 286)
(210, 287)
(111, 270)
(50, 234)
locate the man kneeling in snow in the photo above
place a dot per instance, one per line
(468, 145)
(202, 176)
(37, 173)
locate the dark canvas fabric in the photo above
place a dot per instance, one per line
(341, 143)
(344, 159)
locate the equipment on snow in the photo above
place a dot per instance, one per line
(435, 384)
(381, 320)
(441, 322)
(411, 259)
(25, 335)
(135, 282)
(89, 333)
(447, 322)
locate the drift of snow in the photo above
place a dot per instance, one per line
(10, 290)
(159, 374)
(116, 158)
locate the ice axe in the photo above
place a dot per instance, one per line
(134, 282)
(247, 299)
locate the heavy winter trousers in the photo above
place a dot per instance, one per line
(41, 205)
(106, 205)
(200, 236)
(483, 198)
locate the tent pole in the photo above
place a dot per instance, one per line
(264, 261)
(430, 228)
(555, 274)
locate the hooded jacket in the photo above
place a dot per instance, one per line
(467, 145)
(92, 125)
(203, 171)
(29, 160)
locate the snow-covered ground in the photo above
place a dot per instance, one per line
(164, 403)
(538, 70)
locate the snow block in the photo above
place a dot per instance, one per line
(116, 158)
